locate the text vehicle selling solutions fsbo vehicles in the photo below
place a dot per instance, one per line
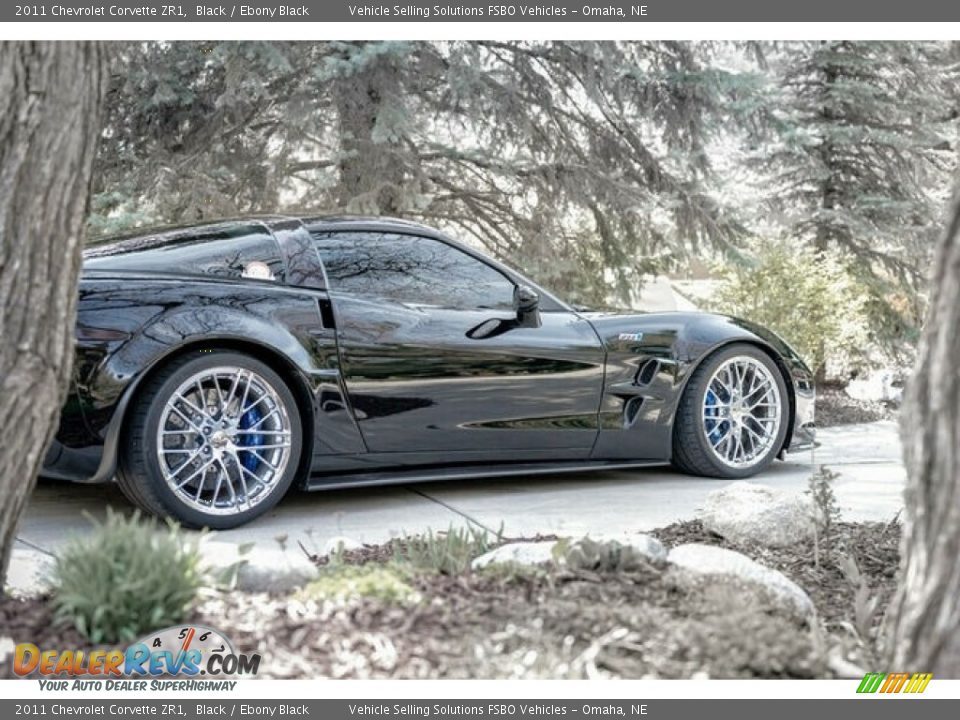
(217, 365)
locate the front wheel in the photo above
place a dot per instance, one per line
(213, 440)
(732, 418)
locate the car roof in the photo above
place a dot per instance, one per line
(311, 221)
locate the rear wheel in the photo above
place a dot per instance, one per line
(732, 418)
(213, 440)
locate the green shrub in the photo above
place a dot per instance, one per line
(511, 571)
(341, 583)
(813, 301)
(129, 576)
(448, 553)
(599, 555)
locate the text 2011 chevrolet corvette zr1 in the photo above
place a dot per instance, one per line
(217, 365)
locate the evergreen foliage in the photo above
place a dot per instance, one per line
(588, 164)
(584, 162)
(861, 160)
(813, 300)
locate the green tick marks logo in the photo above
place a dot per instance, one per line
(894, 683)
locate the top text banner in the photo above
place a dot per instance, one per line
(639, 11)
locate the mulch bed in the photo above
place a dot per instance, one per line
(875, 547)
(540, 625)
(545, 623)
(396, 548)
(834, 407)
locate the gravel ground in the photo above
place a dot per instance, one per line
(512, 623)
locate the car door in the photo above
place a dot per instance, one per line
(423, 371)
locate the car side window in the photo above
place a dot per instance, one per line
(412, 270)
(220, 252)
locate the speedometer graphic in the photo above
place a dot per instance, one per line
(197, 643)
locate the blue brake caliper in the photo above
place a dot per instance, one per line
(249, 419)
(710, 411)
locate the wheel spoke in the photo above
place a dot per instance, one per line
(183, 398)
(216, 489)
(244, 470)
(254, 449)
(233, 388)
(187, 420)
(193, 456)
(760, 438)
(201, 469)
(726, 433)
(262, 420)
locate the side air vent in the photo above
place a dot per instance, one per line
(631, 409)
(647, 372)
(326, 313)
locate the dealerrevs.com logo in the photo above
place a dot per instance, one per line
(181, 655)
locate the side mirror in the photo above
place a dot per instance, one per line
(526, 302)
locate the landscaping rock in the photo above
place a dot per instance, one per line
(257, 569)
(880, 386)
(522, 553)
(748, 513)
(700, 559)
(29, 572)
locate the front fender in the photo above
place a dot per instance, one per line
(650, 358)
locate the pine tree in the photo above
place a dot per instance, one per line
(585, 162)
(862, 162)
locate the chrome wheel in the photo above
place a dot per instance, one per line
(741, 412)
(224, 440)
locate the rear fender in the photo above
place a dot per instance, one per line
(121, 342)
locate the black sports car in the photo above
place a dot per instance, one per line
(217, 365)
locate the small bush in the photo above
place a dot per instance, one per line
(821, 492)
(448, 553)
(826, 510)
(342, 583)
(129, 576)
(813, 301)
(599, 555)
(510, 572)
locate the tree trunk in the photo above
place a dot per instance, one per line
(828, 193)
(924, 618)
(371, 172)
(48, 133)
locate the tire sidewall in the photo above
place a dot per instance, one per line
(709, 366)
(172, 504)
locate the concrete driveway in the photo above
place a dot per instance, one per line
(867, 456)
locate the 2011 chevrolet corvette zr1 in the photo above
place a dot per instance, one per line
(217, 365)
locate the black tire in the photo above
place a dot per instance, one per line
(692, 451)
(139, 474)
